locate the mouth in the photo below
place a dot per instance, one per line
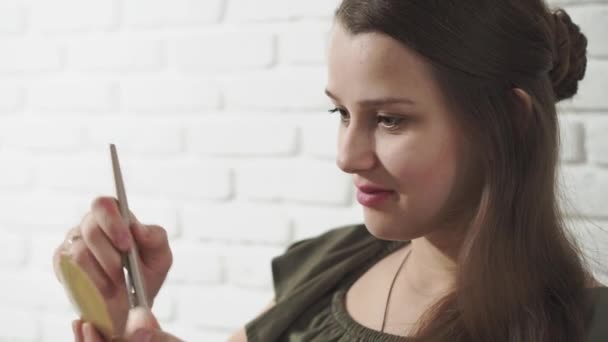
(370, 189)
(374, 198)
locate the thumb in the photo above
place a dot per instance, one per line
(140, 318)
(143, 335)
(142, 326)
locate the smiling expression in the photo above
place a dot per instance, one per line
(395, 130)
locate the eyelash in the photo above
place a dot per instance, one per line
(397, 120)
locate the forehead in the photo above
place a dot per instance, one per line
(374, 64)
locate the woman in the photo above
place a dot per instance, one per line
(449, 128)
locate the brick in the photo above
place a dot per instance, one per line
(91, 174)
(33, 133)
(42, 246)
(12, 251)
(319, 137)
(314, 8)
(205, 306)
(291, 181)
(17, 172)
(57, 327)
(19, 325)
(74, 15)
(572, 136)
(117, 54)
(23, 290)
(170, 95)
(284, 90)
(272, 10)
(597, 144)
(84, 175)
(163, 213)
(164, 305)
(75, 96)
(176, 13)
(242, 10)
(243, 136)
(30, 56)
(196, 263)
(180, 178)
(303, 44)
(53, 213)
(249, 266)
(591, 92)
(585, 191)
(242, 222)
(134, 136)
(218, 51)
(567, 3)
(592, 235)
(312, 221)
(593, 21)
(12, 99)
(12, 17)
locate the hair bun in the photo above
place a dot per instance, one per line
(569, 55)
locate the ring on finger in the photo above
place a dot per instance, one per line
(72, 239)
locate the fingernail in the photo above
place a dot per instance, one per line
(142, 336)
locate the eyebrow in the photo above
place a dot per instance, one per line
(376, 102)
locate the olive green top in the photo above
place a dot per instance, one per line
(311, 279)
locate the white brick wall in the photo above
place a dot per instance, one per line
(217, 110)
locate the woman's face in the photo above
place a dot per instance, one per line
(395, 131)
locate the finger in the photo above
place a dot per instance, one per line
(140, 318)
(141, 324)
(153, 336)
(146, 235)
(153, 246)
(90, 333)
(83, 257)
(165, 337)
(77, 329)
(106, 213)
(100, 246)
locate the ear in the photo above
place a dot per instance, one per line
(524, 98)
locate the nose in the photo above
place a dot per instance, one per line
(355, 149)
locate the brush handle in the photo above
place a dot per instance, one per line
(133, 278)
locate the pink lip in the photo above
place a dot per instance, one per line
(374, 198)
(369, 188)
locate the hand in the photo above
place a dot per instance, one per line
(95, 245)
(141, 326)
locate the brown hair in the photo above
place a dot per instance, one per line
(521, 276)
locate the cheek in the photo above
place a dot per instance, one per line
(426, 177)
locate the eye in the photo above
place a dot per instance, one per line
(393, 121)
(342, 112)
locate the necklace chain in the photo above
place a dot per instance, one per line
(390, 290)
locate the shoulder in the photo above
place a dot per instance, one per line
(335, 238)
(321, 259)
(333, 246)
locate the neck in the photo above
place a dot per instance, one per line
(431, 268)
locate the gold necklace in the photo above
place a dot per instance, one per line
(390, 290)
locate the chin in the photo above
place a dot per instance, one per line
(385, 227)
(384, 230)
